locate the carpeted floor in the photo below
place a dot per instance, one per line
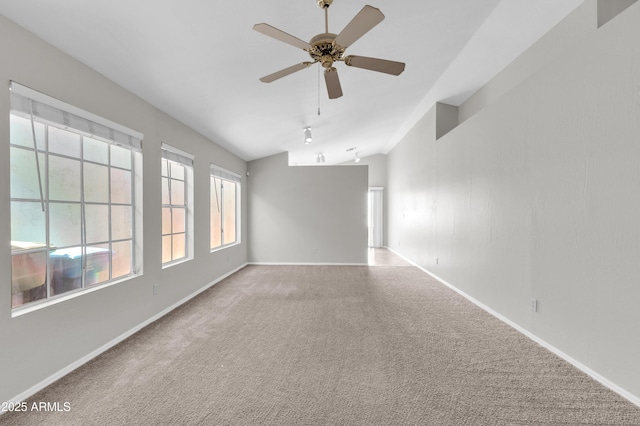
(329, 345)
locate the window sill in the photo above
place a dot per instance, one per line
(176, 262)
(213, 250)
(36, 306)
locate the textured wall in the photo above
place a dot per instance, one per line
(38, 344)
(563, 36)
(306, 214)
(377, 165)
(535, 196)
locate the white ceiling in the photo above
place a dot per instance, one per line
(200, 62)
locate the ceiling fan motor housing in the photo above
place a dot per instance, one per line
(324, 50)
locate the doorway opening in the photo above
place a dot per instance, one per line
(375, 218)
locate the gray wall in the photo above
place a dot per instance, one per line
(306, 214)
(39, 344)
(377, 165)
(609, 9)
(563, 36)
(377, 169)
(535, 196)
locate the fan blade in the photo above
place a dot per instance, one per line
(364, 21)
(285, 72)
(270, 31)
(374, 64)
(333, 83)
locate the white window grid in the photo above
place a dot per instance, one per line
(82, 203)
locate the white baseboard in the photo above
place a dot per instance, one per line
(74, 365)
(71, 367)
(594, 375)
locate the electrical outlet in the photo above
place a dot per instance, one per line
(155, 289)
(534, 305)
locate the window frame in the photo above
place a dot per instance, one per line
(50, 113)
(225, 176)
(171, 154)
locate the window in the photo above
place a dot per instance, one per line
(73, 193)
(177, 195)
(224, 208)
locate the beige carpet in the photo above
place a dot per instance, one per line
(329, 345)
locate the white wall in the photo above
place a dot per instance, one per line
(377, 166)
(39, 344)
(377, 169)
(609, 9)
(575, 27)
(536, 196)
(306, 214)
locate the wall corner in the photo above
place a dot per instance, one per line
(446, 119)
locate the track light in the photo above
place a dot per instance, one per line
(320, 158)
(307, 135)
(357, 160)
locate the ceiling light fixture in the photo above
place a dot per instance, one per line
(319, 158)
(307, 135)
(357, 160)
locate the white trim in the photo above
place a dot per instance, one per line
(177, 261)
(218, 248)
(80, 362)
(21, 310)
(223, 173)
(28, 92)
(594, 375)
(219, 174)
(175, 154)
(175, 150)
(71, 367)
(375, 217)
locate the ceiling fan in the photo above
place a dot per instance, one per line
(328, 48)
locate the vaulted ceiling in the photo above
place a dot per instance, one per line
(200, 61)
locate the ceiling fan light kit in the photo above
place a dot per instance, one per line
(307, 135)
(328, 48)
